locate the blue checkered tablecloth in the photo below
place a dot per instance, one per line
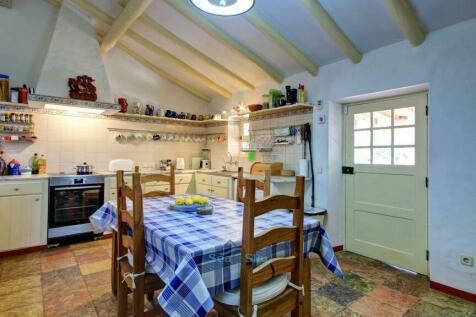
(199, 256)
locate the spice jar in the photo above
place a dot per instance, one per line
(23, 95)
(4, 87)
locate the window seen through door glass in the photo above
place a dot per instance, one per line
(362, 156)
(382, 155)
(362, 138)
(404, 155)
(385, 137)
(382, 137)
(404, 116)
(382, 119)
(362, 121)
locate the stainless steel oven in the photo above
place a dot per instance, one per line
(72, 199)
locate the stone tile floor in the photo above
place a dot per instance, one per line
(75, 281)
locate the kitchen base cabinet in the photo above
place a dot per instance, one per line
(218, 186)
(23, 217)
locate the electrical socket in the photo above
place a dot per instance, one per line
(6, 3)
(467, 260)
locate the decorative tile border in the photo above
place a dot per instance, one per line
(74, 102)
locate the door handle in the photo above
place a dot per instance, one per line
(348, 170)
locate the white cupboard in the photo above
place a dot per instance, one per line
(23, 214)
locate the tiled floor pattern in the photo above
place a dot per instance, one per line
(75, 281)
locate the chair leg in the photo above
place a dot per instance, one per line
(150, 297)
(307, 288)
(138, 297)
(114, 273)
(122, 299)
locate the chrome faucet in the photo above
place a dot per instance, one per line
(229, 161)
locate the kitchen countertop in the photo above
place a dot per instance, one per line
(274, 179)
(234, 175)
(23, 177)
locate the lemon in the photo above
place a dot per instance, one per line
(196, 199)
(179, 201)
(204, 201)
(188, 201)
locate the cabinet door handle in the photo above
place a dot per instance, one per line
(218, 182)
(16, 189)
(37, 199)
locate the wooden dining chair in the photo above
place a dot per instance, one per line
(130, 238)
(266, 290)
(159, 178)
(170, 179)
(264, 185)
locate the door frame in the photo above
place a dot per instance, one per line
(345, 153)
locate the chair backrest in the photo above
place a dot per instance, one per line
(159, 178)
(130, 222)
(251, 277)
(264, 185)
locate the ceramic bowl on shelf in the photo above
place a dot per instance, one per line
(255, 107)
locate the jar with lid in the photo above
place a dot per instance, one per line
(4, 87)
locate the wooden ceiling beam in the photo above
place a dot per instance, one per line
(329, 26)
(104, 17)
(407, 20)
(185, 9)
(132, 11)
(278, 38)
(150, 22)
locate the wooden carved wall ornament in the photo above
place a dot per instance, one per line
(82, 88)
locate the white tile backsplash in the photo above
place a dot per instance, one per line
(67, 141)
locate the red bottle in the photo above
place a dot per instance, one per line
(23, 94)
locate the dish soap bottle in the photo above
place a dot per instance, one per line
(301, 96)
(42, 165)
(34, 164)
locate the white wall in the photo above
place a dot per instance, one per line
(131, 79)
(446, 60)
(25, 32)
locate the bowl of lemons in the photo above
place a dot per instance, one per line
(190, 203)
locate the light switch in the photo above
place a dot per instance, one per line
(321, 119)
(6, 3)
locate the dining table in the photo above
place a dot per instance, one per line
(199, 256)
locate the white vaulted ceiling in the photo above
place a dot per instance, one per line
(218, 69)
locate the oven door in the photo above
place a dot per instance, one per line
(72, 205)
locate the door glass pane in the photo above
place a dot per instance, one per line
(362, 138)
(382, 118)
(362, 120)
(404, 136)
(382, 137)
(382, 156)
(404, 116)
(404, 156)
(362, 156)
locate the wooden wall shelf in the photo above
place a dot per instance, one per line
(280, 110)
(152, 119)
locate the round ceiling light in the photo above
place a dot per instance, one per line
(224, 7)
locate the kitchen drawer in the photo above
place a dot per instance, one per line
(220, 181)
(24, 188)
(204, 179)
(219, 192)
(183, 178)
(203, 189)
